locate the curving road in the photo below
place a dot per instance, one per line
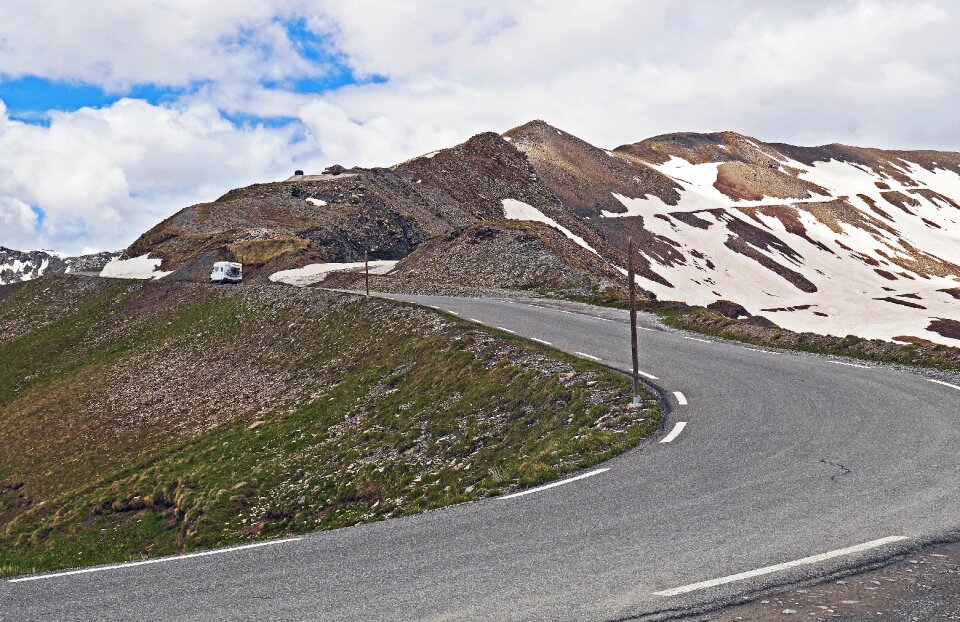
(786, 467)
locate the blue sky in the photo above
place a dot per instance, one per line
(141, 110)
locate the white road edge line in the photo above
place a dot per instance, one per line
(453, 313)
(646, 375)
(474, 320)
(602, 319)
(813, 559)
(850, 364)
(507, 330)
(675, 432)
(546, 343)
(554, 484)
(587, 356)
(946, 384)
(764, 351)
(159, 560)
(681, 398)
(696, 339)
(652, 330)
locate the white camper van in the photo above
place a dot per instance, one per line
(226, 272)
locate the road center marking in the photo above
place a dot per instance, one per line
(675, 432)
(159, 560)
(851, 364)
(946, 384)
(588, 356)
(546, 343)
(813, 559)
(681, 398)
(554, 484)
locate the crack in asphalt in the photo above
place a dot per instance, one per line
(844, 471)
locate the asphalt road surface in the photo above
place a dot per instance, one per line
(779, 468)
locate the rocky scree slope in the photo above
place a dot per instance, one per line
(146, 418)
(834, 240)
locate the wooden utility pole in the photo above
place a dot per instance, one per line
(366, 270)
(631, 274)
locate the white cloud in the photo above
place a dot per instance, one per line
(879, 73)
(18, 222)
(102, 176)
(117, 43)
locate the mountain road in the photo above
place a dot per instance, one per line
(769, 468)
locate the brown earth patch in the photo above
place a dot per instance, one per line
(953, 291)
(904, 303)
(789, 217)
(259, 252)
(945, 327)
(901, 200)
(934, 196)
(741, 180)
(874, 208)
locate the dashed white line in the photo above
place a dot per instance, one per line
(646, 375)
(650, 330)
(507, 330)
(696, 339)
(764, 351)
(813, 559)
(474, 320)
(851, 364)
(159, 560)
(554, 484)
(588, 356)
(675, 432)
(946, 384)
(546, 343)
(681, 398)
(453, 313)
(602, 319)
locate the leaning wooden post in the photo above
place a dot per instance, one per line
(631, 274)
(366, 269)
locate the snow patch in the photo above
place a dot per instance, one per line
(142, 267)
(317, 202)
(518, 210)
(317, 272)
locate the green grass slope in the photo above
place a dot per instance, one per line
(141, 419)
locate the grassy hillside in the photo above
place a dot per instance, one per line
(148, 418)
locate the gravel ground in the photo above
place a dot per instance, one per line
(917, 588)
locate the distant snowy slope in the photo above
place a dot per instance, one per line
(869, 250)
(17, 266)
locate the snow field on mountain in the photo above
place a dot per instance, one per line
(848, 287)
(317, 272)
(142, 267)
(518, 210)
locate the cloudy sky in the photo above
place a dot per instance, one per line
(115, 114)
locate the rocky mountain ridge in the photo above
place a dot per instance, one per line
(832, 239)
(17, 266)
